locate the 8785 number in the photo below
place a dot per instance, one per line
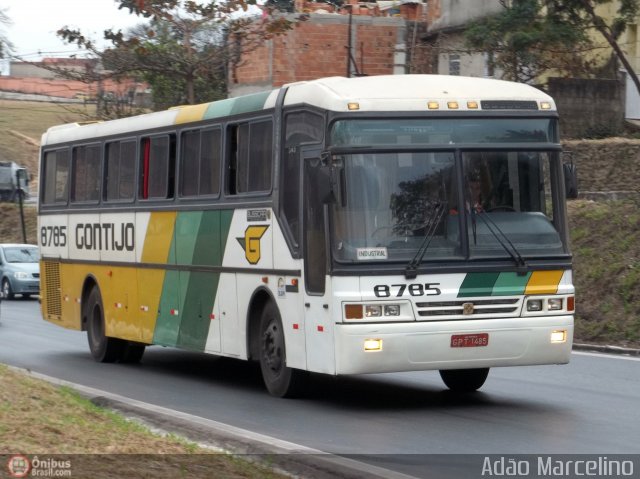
(399, 290)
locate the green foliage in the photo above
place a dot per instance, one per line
(530, 37)
(181, 50)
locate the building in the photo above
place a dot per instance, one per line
(40, 78)
(362, 38)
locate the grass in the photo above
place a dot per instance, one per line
(605, 239)
(22, 124)
(40, 419)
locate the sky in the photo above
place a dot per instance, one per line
(35, 23)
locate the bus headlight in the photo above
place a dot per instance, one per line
(373, 310)
(554, 304)
(534, 305)
(359, 312)
(392, 310)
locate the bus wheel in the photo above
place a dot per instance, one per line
(132, 352)
(103, 349)
(464, 380)
(280, 380)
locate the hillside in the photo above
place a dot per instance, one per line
(605, 236)
(22, 124)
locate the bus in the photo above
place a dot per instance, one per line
(337, 226)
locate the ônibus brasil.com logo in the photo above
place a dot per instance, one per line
(19, 466)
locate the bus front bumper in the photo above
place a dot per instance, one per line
(418, 346)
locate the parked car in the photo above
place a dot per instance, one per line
(20, 270)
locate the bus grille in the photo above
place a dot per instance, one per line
(482, 308)
(52, 289)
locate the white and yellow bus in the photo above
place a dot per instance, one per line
(337, 226)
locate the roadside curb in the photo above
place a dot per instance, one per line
(281, 456)
(600, 348)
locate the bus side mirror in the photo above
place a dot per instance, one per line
(570, 177)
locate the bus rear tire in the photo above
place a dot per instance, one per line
(103, 349)
(464, 380)
(280, 380)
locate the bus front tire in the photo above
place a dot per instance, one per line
(280, 380)
(103, 349)
(464, 380)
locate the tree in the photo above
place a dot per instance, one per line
(5, 44)
(528, 38)
(584, 13)
(181, 50)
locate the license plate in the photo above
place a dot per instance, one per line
(469, 340)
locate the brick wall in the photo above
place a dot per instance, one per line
(317, 48)
(62, 88)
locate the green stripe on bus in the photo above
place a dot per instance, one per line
(478, 284)
(207, 230)
(235, 106)
(510, 284)
(168, 324)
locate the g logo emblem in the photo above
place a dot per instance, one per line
(251, 242)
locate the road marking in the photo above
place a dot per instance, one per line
(606, 356)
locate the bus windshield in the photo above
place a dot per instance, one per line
(500, 200)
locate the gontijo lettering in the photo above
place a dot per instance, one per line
(105, 236)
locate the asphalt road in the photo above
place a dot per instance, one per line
(591, 406)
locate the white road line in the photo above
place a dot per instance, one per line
(605, 355)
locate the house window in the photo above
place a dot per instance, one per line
(454, 64)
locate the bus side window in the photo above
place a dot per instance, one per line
(250, 157)
(119, 170)
(301, 127)
(85, 185)
(56, 172)
(200, 162)
(158, 167)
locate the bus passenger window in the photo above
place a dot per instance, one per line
(250, 157)
(119, 170)
(210, 162)
(56, 172)
(158, 167)
(85, 186)
(200, 162)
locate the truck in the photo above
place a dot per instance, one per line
(14, 179)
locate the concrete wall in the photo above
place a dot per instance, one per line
(589, 107)
(446, 14)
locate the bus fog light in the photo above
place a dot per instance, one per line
(392, 310)
(534, 305)
(559, 336)
(373, 311)
(554, 304)
(373, 344)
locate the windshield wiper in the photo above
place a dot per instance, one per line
(521, 264)
(411, 271)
